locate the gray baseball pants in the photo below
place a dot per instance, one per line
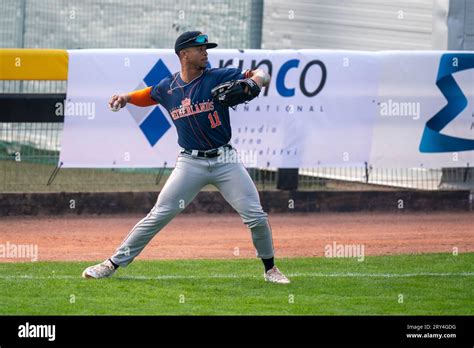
(189, 176)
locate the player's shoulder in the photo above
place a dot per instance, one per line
(161, 88)
(224, 74)
(217, 71)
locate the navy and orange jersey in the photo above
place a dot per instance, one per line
(202, 124)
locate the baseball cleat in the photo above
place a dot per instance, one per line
(101, 270)
(275, 276)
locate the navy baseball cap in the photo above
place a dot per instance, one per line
(192, 39)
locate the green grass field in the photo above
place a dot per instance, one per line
(431, 284)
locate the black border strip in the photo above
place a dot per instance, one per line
(192, 330)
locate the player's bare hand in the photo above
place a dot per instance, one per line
(117, 102)
(260, 77)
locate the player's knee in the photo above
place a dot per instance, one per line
(160, 211)
(256, 219)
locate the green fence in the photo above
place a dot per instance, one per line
(72, 24)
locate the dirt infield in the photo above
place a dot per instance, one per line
(224, 236)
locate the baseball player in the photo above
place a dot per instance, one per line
(204, 132)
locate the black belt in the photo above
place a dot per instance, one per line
(208, 153)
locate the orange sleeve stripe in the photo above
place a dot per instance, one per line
(142, 97)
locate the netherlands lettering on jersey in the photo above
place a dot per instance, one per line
(201, 123)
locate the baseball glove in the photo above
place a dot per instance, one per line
(235, 92)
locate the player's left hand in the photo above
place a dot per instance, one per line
(235, 92)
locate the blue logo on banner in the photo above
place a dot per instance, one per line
(432, 140)
(155, 125)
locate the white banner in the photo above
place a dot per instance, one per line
(409, 98)
(322, 108)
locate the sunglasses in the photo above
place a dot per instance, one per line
(202, 38)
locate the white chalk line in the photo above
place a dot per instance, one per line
(234, 276)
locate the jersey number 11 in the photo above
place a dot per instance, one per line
(215, 122)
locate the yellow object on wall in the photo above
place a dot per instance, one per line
(33, 64)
